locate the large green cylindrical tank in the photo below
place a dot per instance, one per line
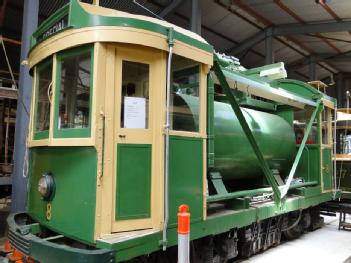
(234, 157)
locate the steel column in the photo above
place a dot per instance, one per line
(269, 46)
(247, 43)
(312, 68)
(19, 183)
(340, 89)
(195, 21)
(170, 8)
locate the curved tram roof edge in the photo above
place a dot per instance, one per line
(77, 17)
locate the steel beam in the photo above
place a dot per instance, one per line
(8, 93)
(320, 58)
(5, 180)
(2, 12)
(19, 181)
(291, 29)
(312, 68)
(170, 8)
(268, 46)
(321, 27)
(247, 43)
(340, 89)
(195, 21)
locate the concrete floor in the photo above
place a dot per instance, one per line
(327, 244)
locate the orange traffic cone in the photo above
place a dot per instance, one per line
(7, 246)
(15, 256)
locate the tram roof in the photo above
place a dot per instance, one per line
(77, 15)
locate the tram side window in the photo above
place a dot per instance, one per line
(44, 81)
(74, 96)
(185, 93)
(326, 126)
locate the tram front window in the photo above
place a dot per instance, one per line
(44, 81)
(74, 94)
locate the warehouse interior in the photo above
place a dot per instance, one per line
(311, 37)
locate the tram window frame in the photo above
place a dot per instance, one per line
(73, 132)
(301, 120)
(41, 134)
(192, 69)
(326, 127)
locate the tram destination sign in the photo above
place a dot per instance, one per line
(56, 27)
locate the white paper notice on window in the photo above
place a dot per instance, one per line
(134, 112)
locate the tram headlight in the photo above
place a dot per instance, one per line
(46, 186)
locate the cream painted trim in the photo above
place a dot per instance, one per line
(152, 135)
(53, 99)
(107, 188)
(204, 180)
(203, 101)
(328, 103)
(322, 147)
(186, 134)
(99, 113)
(31, 114)
(62, 142)
(44, 142)
(203, 131)
(51, 141)
(107, 180)
(329, 128)
(98, 10)
(75, 37)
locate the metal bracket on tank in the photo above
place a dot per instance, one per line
(218, 184)
(236, 108)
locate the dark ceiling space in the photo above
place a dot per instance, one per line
(227, 24)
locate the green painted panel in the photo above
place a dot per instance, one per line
(233, 151)
(133, 189)
(309, 167)
(40, 135)
(287, 113)
(73, 207)
(185, 176)
(297, 87)
(327, 169)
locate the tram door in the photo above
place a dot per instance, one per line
(137, 139)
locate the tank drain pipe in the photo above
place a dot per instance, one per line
(166, 130)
